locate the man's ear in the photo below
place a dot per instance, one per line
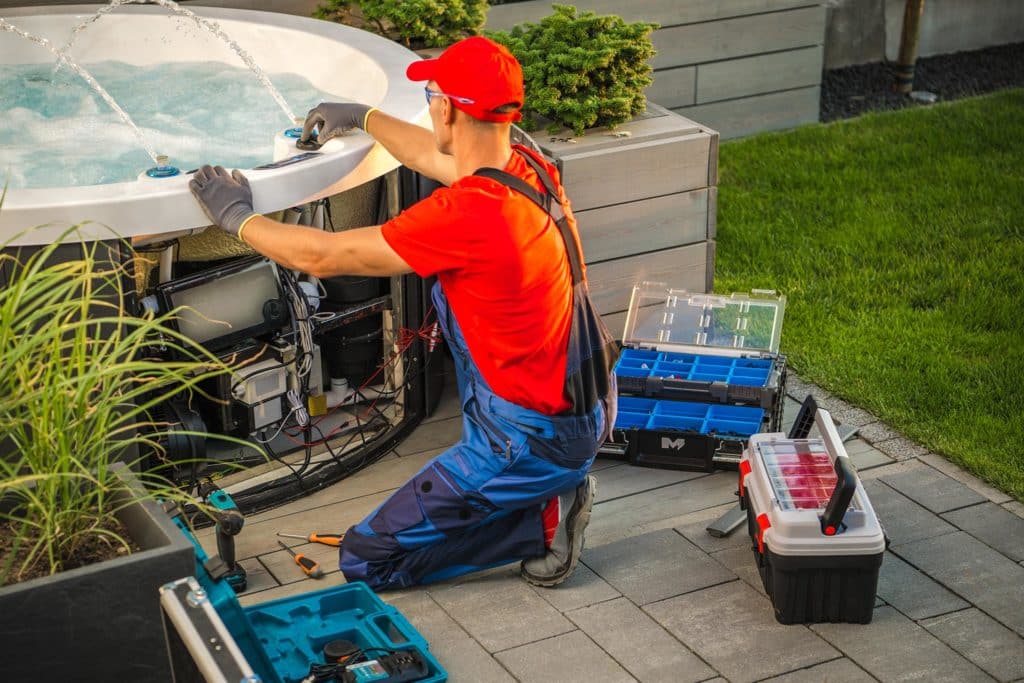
(448, 113)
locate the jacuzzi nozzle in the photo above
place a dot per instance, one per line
(162, 170)
(295, 132)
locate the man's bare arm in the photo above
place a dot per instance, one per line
(362, 251)
(412, 145)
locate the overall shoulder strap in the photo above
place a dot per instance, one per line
(549, 202)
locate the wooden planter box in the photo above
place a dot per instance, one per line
(101, 622)
(645, 198)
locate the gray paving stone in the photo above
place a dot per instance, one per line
(864, 456)
(969, 480)
(658, 509)
(894, 467)
(583, 588)
(572, 658)
(462, 657)
(431, 436)
(1014, 506)
(733, 629)
(639, 644)
(740, 560)
(912, 592)
(983, 640)
(288, 590)
(604, 463)
(836, 671)
(259, 535)
(616, 482)
(655, 566)
(934, 490)
(901, 448)
(993, 525)
(500, 610)
(974, 571)
(799, 389)
(894, 648)
(694, 527)
(844, 413)
(877, 431)
(903, 519)
(257, 578)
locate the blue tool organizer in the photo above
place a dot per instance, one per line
(703, 418)
(635, 366)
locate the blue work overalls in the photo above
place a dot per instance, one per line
(479, 503)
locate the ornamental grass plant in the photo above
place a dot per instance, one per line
(79, 380)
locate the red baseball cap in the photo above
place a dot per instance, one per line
(482, 74)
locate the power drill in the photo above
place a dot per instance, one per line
(229, 523)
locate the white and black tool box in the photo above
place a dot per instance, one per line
(816, 540)
(698, 375)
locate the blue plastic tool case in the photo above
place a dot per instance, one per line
(281, 638)
(698, 375)
(817, 542)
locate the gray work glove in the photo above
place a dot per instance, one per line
(333, 118)
(225, 197)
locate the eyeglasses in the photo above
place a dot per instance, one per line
(434, 93)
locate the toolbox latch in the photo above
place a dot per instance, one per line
(744, 471)
(762, 525)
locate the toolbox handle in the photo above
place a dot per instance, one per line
(846, 486)
(846, 476)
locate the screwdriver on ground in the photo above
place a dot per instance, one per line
(309, 567)
(325, 539)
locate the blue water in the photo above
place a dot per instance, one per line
(59, 133)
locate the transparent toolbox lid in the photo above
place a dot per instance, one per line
(663, 317)
(801, 473)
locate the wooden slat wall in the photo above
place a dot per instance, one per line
(646, 225)
(738, 66)
(644, 197)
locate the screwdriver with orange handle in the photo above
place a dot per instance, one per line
(325, 539)
(309, 567)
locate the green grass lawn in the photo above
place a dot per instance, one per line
(898, 239)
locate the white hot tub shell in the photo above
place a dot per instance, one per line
(353, 64)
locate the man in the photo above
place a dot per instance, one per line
(533, 360)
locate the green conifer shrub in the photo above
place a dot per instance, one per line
(415, 23)
(581, 70)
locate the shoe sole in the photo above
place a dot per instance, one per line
(575, 539)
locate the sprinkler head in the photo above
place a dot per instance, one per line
(162, 170)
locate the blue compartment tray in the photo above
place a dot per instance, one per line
(682, 434)
(704, 418)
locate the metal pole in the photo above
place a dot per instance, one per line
(908, 46)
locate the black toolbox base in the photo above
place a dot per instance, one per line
(817, 589)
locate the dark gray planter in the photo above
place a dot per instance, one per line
(101, 622)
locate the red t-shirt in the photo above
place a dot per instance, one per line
(503, 266)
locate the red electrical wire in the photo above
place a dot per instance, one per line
(429, 333)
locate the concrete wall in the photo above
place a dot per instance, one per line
(862, 31)
(957, 25)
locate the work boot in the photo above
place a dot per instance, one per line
(562, 557)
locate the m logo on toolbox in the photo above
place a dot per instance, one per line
(675, 444)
